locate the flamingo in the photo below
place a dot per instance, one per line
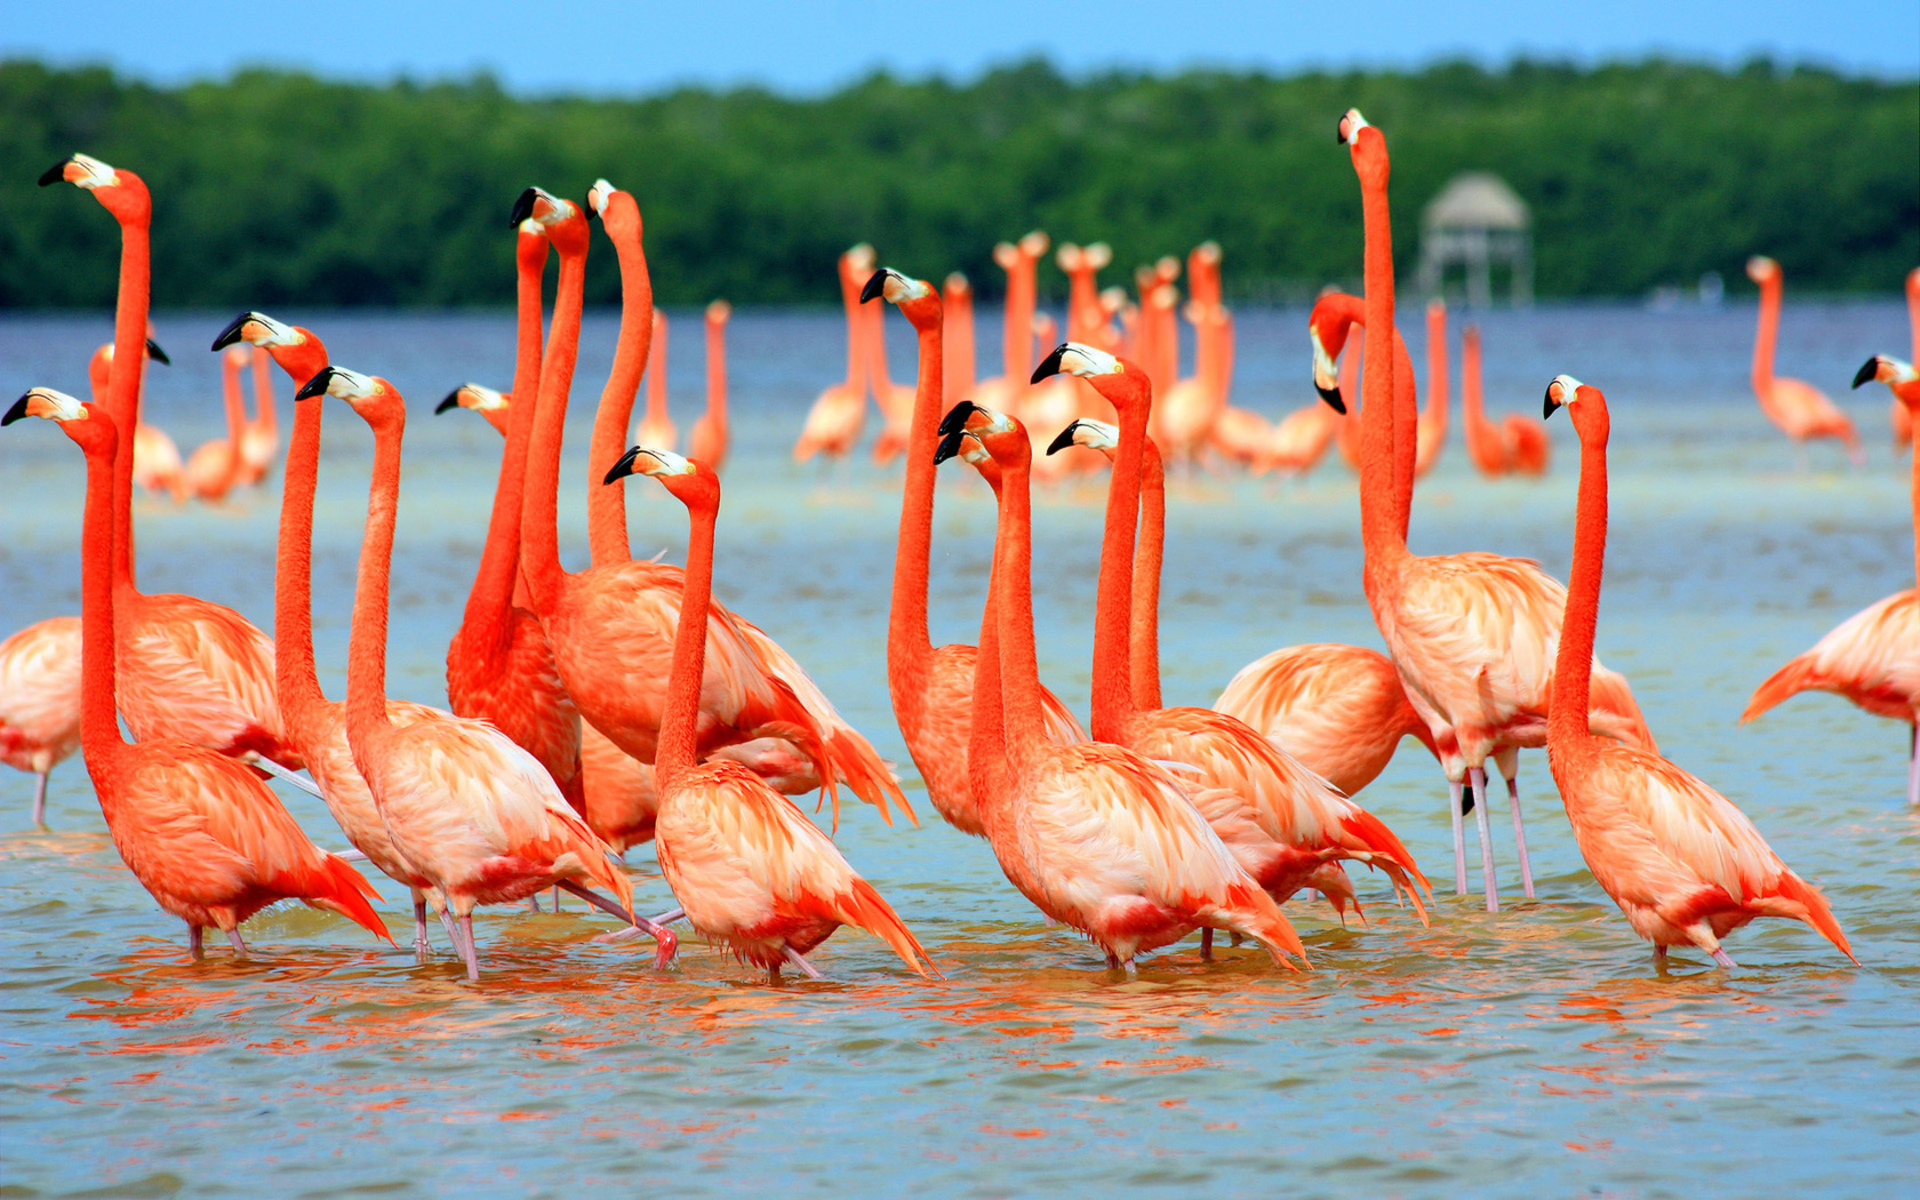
(1683, 863)
(656, 428)
(895, 400)
(833, 423)
(1299, 440)
(746, 866)
(495, 408)
(1086, 320)
(610, 627)
(316, 726)
(467, 808)
(1897, 412)
(260, 443)
(204, 836)
(932, 687)
(957, 299)
(214, 467)
(1518, 443)
(1020, 260)
(188, 670)
(708, 442)
(156, 460)
(1472, 635)
(1873, 657)
(1096, 836)
(1798, 409)
(1306, 824)
(40, 701)
(1432, 428)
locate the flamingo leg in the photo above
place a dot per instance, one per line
(1477, 779)
(194, 945)
(40, 798)
(239, 947)
(799, 960)
(670, 916)
(1456, 801)
(1913, 769)
(467, 949)
(422, 949)
(1206, 944)
(273, 768)
(453, 933)
(636, 925)
(1720, 956)
(1520, 837)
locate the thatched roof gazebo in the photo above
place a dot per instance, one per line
(1475, 220)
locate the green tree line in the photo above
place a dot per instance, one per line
(274, 187)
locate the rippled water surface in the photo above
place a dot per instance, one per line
(1535, 1052)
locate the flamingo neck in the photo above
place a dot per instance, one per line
(1913, 311)
(540, 505)
(876, 315)
(123, 388)
(987, 739)
(1764, 338)
(367, 645)
(717, 375)
(1382, 527)
(1472, 404)
(958, 338)
(908, 644)
(856, 329)
(236, 405)
(99, 723)
(497, 581)
(1144, 643)
(1914, 491)
(1112, 687)
(1436, 366)
(1015, 352)
(1573, 669)
(265, 412)
(294, 672)
(677, 746)
(1019, 659)
(641, 348)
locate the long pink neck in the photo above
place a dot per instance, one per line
(1913, 310)
(959, 343)
(540, 506)
(908, 642)
(367, 646)
(236, 405)
(1382, 527)
(99, 723)
(1021, 714)
(123, 389)
(1472, 404)
(642, 347)
(677, 746)
(987, 739)
(876, 315)
(264, 410)
(1764, 336)
(1112, 686)
(1022, 297)
(490, 603)
(856, 327)
(1913, 488)
(1436, 361)
(1144, 651)
(295, 677)
(716, 374)
(1573, 669)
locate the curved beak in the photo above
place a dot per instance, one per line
(52, 175)
(1867, 371)
(522, 208)
(1063, 439)
(1332, 397)
(157, 354)
(317, 386)
(230, 334)
(1050, 365)
(623, 467)
(19, 409)
(1547, 406)
(876, 286)
(452, 401)
(956, 418)
(949, 445)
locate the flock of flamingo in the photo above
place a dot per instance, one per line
(590, 711)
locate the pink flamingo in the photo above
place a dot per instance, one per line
(40, 701)
(470, 811)
(204, 836)
(1683, 864)
(260, 443)
(1873, 657)
(895, 400)
(1897, 411)
(833, 423)
(1021, 261)
(746, 866)
(957, 298)
(656, 428)
(1800, 410)
(708, 442)
(1518, 443)
(1432, 429)
(156, 459)
(214, 467)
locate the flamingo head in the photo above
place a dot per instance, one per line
(477, 397)
(1006, 256)
(1762, 269)
(76, 419)
(1095, 256)
(976, 456)
(299, 353)
(1887, 369)
(237, 357)
(719, 312)
(1033, 245)
(617, 210)
(860, 259)
(121, 193)
(1585, 406)
(1368, 147)
(1000, 436)
(693, 484)
(916, 299)
(1166, 268)
(1328, 335)
(378, 402)
(1121, 382)
(1069, 257)
(1208, 252)
(562, 222)
(957, 287)
(1094, 435)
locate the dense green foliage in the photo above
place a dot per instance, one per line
(271, 187)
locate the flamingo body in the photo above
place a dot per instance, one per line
(40, 700)
(1872, 658)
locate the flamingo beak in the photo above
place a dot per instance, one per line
(1063, 439)
(522, 208)
(949, 445)
(956, 418)
(19, 409)
(317, 386)
(1050, 365)
(876, 286)
(452, 401)
(1867, 371)
(231, 333)
(1548, 407)
(157, 354)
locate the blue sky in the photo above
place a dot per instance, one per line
(544, 46)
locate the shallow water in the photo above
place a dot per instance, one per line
(1536, 1051)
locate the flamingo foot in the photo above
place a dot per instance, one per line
(533, 903)
(662, 936)
(40, 799)
(1720, 956)
(1520, 838)
(467, 949)
(1477, 779)
(1461, 803)
(799, 960)
(1206, 944)
(239, 947)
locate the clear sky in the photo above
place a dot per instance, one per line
(803, 46)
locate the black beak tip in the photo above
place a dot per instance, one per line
(1866, 372)
(1050, 365)
(55, 173)
(522, 208)
(956, 418)
(622, 467)
(949, 446)
(876, 286)
(18, 411)
(1332, 397)
(315, 386)
(1063, 439)
(231, 333)
(452, 401)
(1547, 405)
(157, 354)
(586, 208)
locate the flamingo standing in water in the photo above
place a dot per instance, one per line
(1518, 443)
(204, 836)
(40, 701)
(1472, 635)
(708, 442)
(833, 423)
(1873, 657)
(315, 725)
(1897, 412)
(468, 809)
(1683, 864)
(1097, 836)
(656, 427)
(1798, 409)
(747, 867)
(932, 687)
(214, 467)
(260, 443)
(188, 670)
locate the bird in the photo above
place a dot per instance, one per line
(206, 838)
(1798, 409)
(214, 467)
(656, 427)
(956, 295)
(708, 441)
(156, 459)
(1020, 260)
(1298, 440)
(833, 422)
(931, 686)
(1518, 443)
(40, 701)
(1472, 635)
(1086, 320)
(187, 670)
(1096, 836)
(747, 868)
(895, 400)
(1306, 824)
(1432, 427)
(316, 726)
(611, 627)
(468, 809)
(1896, 411)
(1873, 657)
(1683, 863)
(260, 443)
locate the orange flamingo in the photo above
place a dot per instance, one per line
(708, 442)
(315, 725)
(201, 833)
(611, 626)
(1299, 440)
(1306, 824)
(1873, 657)
(1086, 320)
(188, 670)
(1021, 261)
(156, 460)
(833, 423)
(932, 687)
(214, 467)
(1897, 412)
(895, 400)
(1472, 635)
(1798, 409)
(1432, 429)
(1097, 836)
(1518, 443)
(746, 866)
(475, 814)
(1683, 864)
(957, 298)
(656, 427)
(260, 443)
(40, 701)
(495, 408)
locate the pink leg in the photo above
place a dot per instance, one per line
(1206, 944)
(421, 948)
(467, 949)
(670, 916)
(194, 945)
(800, 960)
(1477, 778)
(39, 798)
(1720, 956)
(1913, 770)
(1459, 838)
(1520, 837)
(239, 947)
(662, 936)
